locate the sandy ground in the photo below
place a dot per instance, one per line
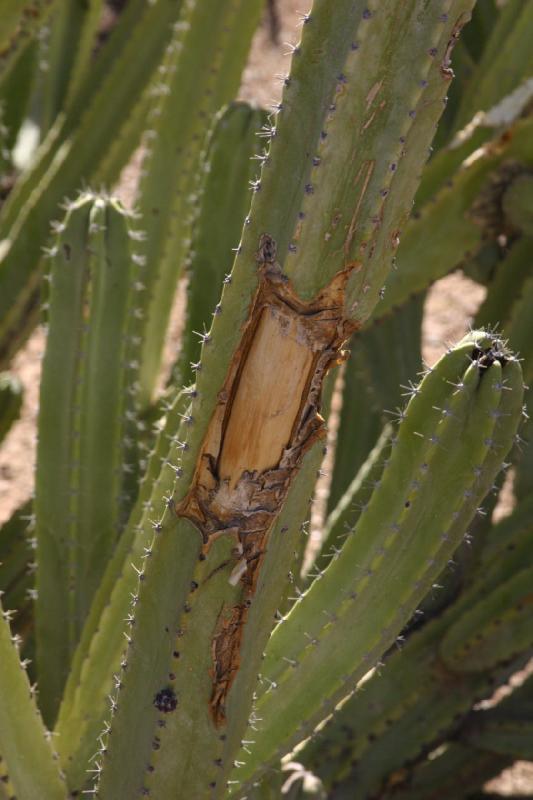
(450, 306)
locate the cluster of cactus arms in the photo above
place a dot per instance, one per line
(167, 628)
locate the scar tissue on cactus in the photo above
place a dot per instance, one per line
(160, 637)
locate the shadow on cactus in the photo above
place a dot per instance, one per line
(160, 604)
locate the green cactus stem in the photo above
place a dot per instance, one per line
(508, 45)
(87, 406)
(418, 700)
(10, 401)
(505, 729)
(344, 516)
(455, 772)
(384, 359)
(70, 158)
(507, 285)
(461, 217)
(68, 50)
(230, 167)
(254, 305)
(98, 657)
(17, 564)
(20, 20)
(298, 658)
(174, 142)
(27, 758)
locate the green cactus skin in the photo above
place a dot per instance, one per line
(27, 756)
(403, 711)
(15, 94)
(466, 55)
(510, 539)
(357, 433)
(417, 701)
(506, 738)
(174, 142)
(385, 113)
(10, 401)
(494, 630)
(85, 416)
(452, 230)
(454, 774)
(519, 327)
(69, 47)
(344, 516)
(85, 704)
(306, 675)
(215, 360)
(17, 565)
(517, 204)
(507, 285)
(20, 20)
(70, 157)
(508, 47)
(7, 791)
(505, 729)
(224, 201)
(384, 359)
(278, 221)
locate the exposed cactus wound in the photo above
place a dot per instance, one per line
(446, 64)
(486, 357)
(266, 418)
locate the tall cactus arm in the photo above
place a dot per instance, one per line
(16, 561)
(352, 503)
(27, 758)
(20, 20)
(519, 326)
(418, 699)
(384, 359)
(507, 55)
(69, 47)
(224, 201)
(506, 287)
(84, 416)
(15, 95)
(495, 630)
(506, 729)
(70, 158)
(455, 772)
(460, 218)
(174, 141)
(409, 705)
(299, 655)
(392, 120)
(85, 705)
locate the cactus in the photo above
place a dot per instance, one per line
(424, 691)
(28, 764)
(86, 422)
(179, 648)
(10, 401)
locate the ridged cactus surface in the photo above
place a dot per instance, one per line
(172, 629)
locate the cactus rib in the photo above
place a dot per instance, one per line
(24, 746)
(397, 510)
